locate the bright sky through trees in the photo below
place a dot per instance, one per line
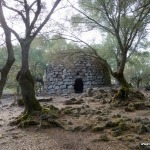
(60, 23)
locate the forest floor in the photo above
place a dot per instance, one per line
(92, 123)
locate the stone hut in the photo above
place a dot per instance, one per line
(76, 76)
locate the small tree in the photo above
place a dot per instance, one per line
(30, 13)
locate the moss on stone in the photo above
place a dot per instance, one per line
(103, 138)
(117, 132)
(50, 112)
(123, 126)
(98, 128)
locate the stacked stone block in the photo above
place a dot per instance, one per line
(60, 79)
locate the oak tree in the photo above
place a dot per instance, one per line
(126, 21)
(31, 15)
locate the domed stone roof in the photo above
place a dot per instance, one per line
(78, 75)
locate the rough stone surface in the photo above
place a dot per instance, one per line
(60, 78)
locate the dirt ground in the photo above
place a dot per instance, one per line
(33, 138)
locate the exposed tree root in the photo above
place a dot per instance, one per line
(126, 95)
(48, 117)
(122, 94)
(21, 118)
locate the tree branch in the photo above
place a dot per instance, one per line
(35, 17)
(112, 21)
(27, 10)
(93, 20)
(32, 4)
(95, 53)
(137, 26)
(46, 19)
(9, 46)
(15, 10)
(16, 34)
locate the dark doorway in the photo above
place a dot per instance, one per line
(78, 86)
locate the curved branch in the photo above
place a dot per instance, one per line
(32, 4)
(10, 60)
(35, 17)
(112, 21)
(16, 34)
(93, 20)
(17, 11)
(137, 25)
(46, 19)
(95, 53)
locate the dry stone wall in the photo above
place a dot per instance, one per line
(60, 79)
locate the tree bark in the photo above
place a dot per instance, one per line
(4, 73)
(24, 76)
(25, 46)
(26, 81)
(121, 79)
(10, 60)
(123, 92)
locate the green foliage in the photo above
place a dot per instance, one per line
(139, 68)
(43, 50)
(108, 51)
(124, 23)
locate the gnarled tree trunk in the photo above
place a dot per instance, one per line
(121, 79)
(124, 86)
(29, 12)
(26, 82)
